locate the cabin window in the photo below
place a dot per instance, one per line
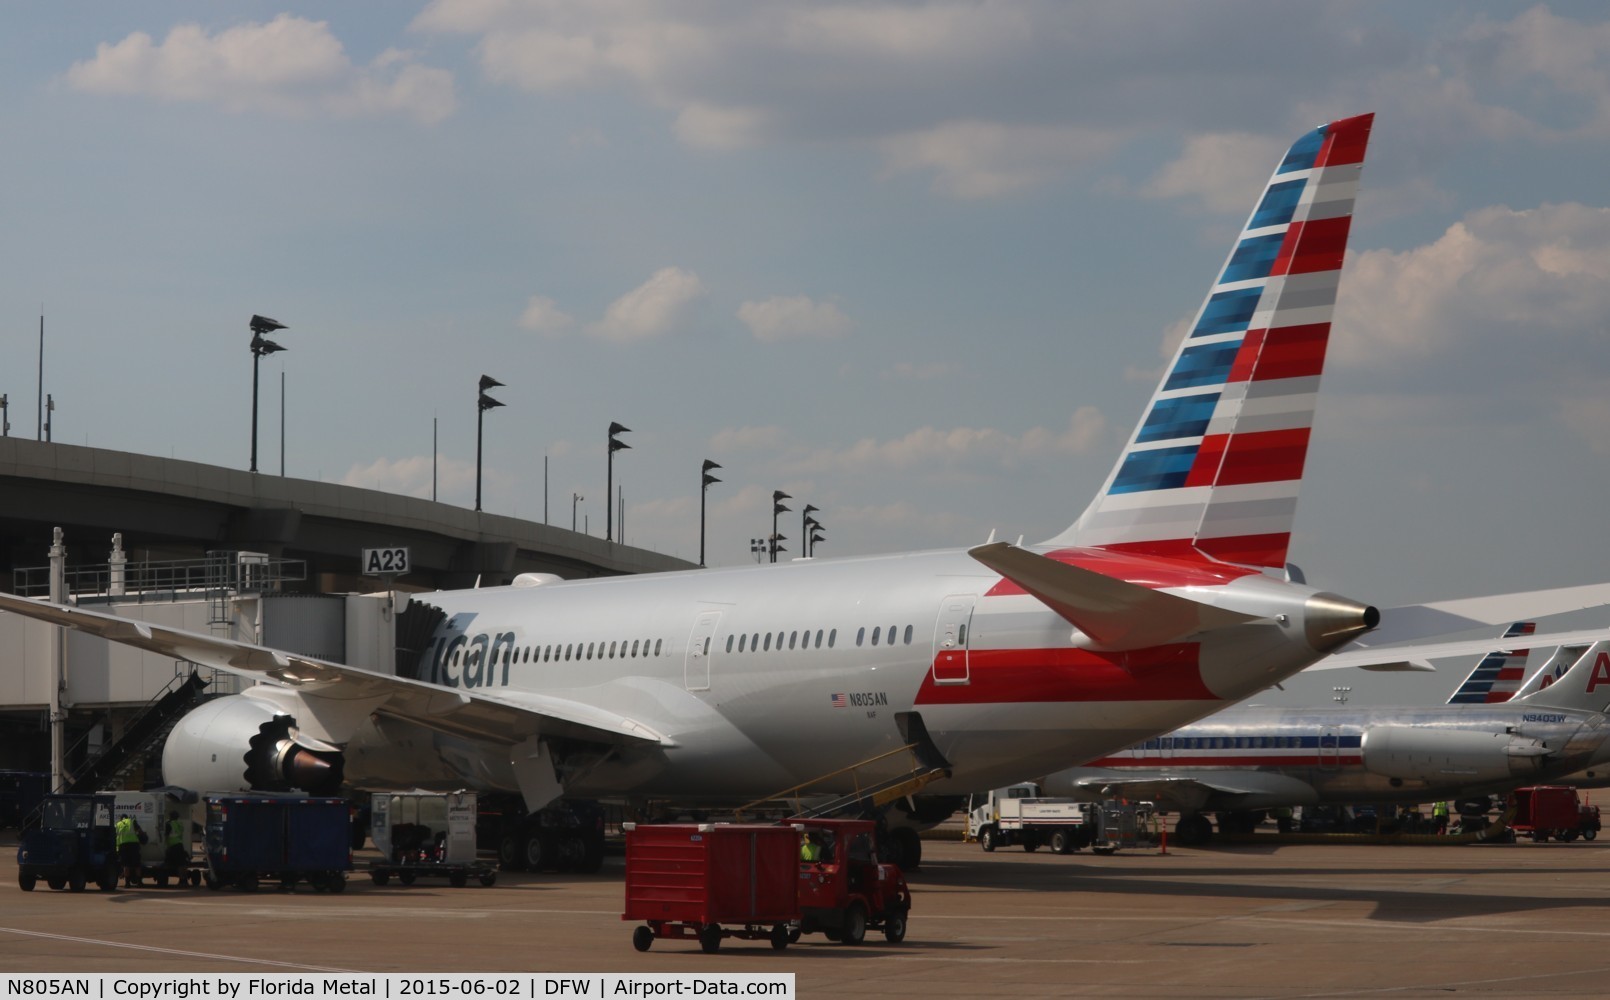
(743, 642)
(612, 651)
(961, 634)
(875, 630)
(590, 650)
(908, 635)
(892, 630)
(768, 642)
(779, 642)
(860, 635)
(832, 637)
(657, 646)
(754, 643)
(729, 644)
(706, 645)
(818, 638)
(634, 646)
(547, 654)
(792, 638)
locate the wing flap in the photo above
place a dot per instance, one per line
(1115, 613)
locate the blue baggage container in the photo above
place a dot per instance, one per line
(292, 838)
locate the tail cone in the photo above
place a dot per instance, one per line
(1330, 621)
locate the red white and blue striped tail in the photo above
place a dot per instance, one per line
(1214, 467)
(1498, 675)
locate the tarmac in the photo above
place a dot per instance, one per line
(1257, 920)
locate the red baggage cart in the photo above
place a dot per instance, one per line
(708, 881)
(1544, 811)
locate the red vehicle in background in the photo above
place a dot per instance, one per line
(711, 881)
(1548, 810)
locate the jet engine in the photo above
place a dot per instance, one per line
(1431, 754)
(237, 743)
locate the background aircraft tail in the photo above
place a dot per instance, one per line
(1497, 677)
(1584, 685)
(1213, 468)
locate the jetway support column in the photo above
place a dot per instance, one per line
(58, 667)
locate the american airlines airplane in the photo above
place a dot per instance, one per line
(1163, 602)
(1493, 736)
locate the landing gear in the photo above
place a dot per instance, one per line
(1193, 830)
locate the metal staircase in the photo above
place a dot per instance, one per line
(152, 724)
(927, 765)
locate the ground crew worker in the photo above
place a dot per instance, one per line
(809, 849)
(128, 849)
(178, 853)
(1439, 816)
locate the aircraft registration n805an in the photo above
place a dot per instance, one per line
(1164, 601)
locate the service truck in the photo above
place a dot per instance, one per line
(1019, 814)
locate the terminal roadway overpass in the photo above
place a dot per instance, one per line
(168, 509)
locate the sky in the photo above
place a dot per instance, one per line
(916, 264)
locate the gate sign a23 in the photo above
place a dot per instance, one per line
(385, 562)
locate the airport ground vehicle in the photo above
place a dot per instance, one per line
(426, 835)
(150, 811)
(292, 838)
(1545, 812)
(699, 880)
(1019, 814)
(72, 846)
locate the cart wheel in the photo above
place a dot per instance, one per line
(894, 928)
(107, 879)
(162, 880)
(56, 882)
(793, 934)
(779, 937)
(26, 880)
(710, 938)
(379, 878)
(1590, 834)
(406, 878)
(337, 882)
(195, 879)
(854, 929)
(489, 878)
(643, 939)
(77, 880)
(458, 880)
(511, 853)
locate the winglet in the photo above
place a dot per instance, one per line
(1115, 614)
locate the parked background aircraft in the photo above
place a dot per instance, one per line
(1244, 761)
(1163, 602)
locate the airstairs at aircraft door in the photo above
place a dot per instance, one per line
(153, 723)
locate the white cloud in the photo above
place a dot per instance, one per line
(1218, 169)
(982, 159)
(934, 451)
(544, 316)
(741, 439)
(289, 66)
(922, 371)
(791, 317)
(1514, 281)
(652, 309)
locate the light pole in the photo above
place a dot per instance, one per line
(811, 536)
(609, 486)
(704, 489)
(777, 498)
(5, 416)
(261, 345)
(575, 498)
(483, 402)
(805, 522)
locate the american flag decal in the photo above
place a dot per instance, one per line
(839, 701)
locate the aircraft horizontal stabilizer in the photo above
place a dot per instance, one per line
(456, 711)
(1114, 613)
(1418, 657)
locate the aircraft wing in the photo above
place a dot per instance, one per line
(451, 710)
(1424, 621)
(1419, 656)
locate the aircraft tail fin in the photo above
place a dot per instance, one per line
(1585, 684)
(1213, 468)
(1554, 668)
(1497, 677)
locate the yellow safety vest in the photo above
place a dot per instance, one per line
(126, 834)
(175, 833)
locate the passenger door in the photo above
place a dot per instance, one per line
(696, 666)
(951, 640)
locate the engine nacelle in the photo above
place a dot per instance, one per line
(238, 743)
(1431, 754)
